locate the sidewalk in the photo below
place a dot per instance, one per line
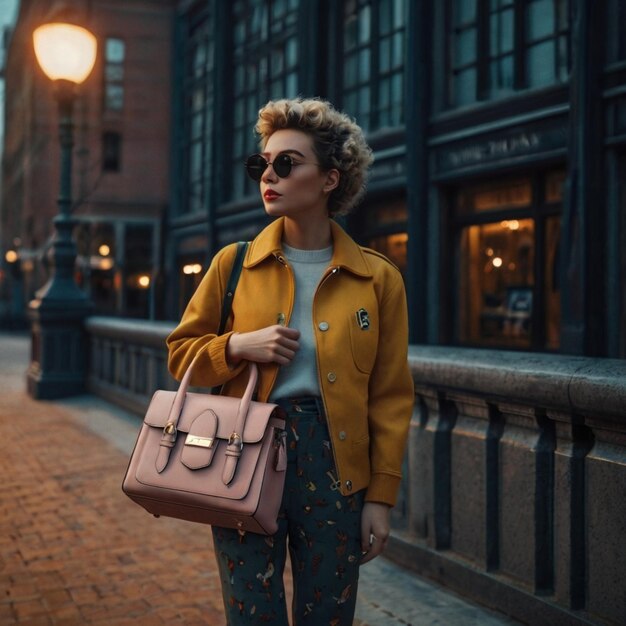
(75, 550)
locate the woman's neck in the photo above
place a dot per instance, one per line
(312, 235)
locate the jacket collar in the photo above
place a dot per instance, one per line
(346, 253)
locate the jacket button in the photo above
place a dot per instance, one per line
(332, 377)
(323, 326)
(349, 485)
(342, 435)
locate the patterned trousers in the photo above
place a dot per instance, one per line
(321, 528)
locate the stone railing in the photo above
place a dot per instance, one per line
(515, 489)
(515, 483)
(128, 360)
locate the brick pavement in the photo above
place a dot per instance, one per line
(75, 550)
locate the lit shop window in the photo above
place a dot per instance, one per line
(383, 228)
(508, 290)
(190, 274)
(393, 247)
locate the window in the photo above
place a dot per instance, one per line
(265, 66)
(190, 272)
(508, 290)
(111, 152)
(114, 56)
(95, 262)
(198, 104)
(496, 47)
(615, 14)
(374, 48)
(138, 269)
(383, 228)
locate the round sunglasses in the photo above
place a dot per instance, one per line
(256, 164)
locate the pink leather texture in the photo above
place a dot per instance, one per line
(210, 459)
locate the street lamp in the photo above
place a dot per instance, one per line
(66, 53)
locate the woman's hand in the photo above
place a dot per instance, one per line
(374, 529)
(273, 344)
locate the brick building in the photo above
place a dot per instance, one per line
(121, 156)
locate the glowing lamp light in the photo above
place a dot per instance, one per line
(104, 250)
(497, 261)
(144, 281)
(65, 51)
(11, 256)
(194, 268)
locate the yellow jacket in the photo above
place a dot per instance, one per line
(365, 381)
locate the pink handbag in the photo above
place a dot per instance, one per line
(210, 459)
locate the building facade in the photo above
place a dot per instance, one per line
(121, 158)
(498, 130)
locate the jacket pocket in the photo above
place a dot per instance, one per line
(364, 344)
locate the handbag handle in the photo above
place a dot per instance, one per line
(235, 441)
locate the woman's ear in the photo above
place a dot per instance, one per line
(332, 180)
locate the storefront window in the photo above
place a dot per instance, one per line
(508, 289)
(393, 247)
(95, 263)
(496, 283)
(190, 273)
(138, 267)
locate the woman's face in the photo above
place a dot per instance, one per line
(305, 191)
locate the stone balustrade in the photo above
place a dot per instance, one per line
(515, 489)
(515, 484)
(128, 360)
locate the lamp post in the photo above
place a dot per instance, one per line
(67, 54)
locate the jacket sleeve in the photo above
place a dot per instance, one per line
(197, 331)
(391, 396)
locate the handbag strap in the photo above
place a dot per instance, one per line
(235, 441)
(233, 279)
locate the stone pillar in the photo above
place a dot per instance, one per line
(474, 474)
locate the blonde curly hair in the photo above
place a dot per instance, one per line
(338, 143)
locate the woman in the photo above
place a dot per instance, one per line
(326, 321)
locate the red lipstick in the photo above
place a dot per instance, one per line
(270, 194)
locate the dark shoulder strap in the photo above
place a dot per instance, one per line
(235, 273)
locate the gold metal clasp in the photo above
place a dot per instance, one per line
(235, 440)
(200, 442)
(170, 429)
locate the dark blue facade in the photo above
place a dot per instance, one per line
(498, 128)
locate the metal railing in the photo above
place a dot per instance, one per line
(515, 473)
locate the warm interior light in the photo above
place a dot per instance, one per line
(11, 256)
(194, 268)
(497, 262)
(65, 51)
(104, 250)
(144, 281)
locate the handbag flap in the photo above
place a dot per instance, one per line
(224, 407)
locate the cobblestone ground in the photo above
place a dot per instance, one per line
(75, 550)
